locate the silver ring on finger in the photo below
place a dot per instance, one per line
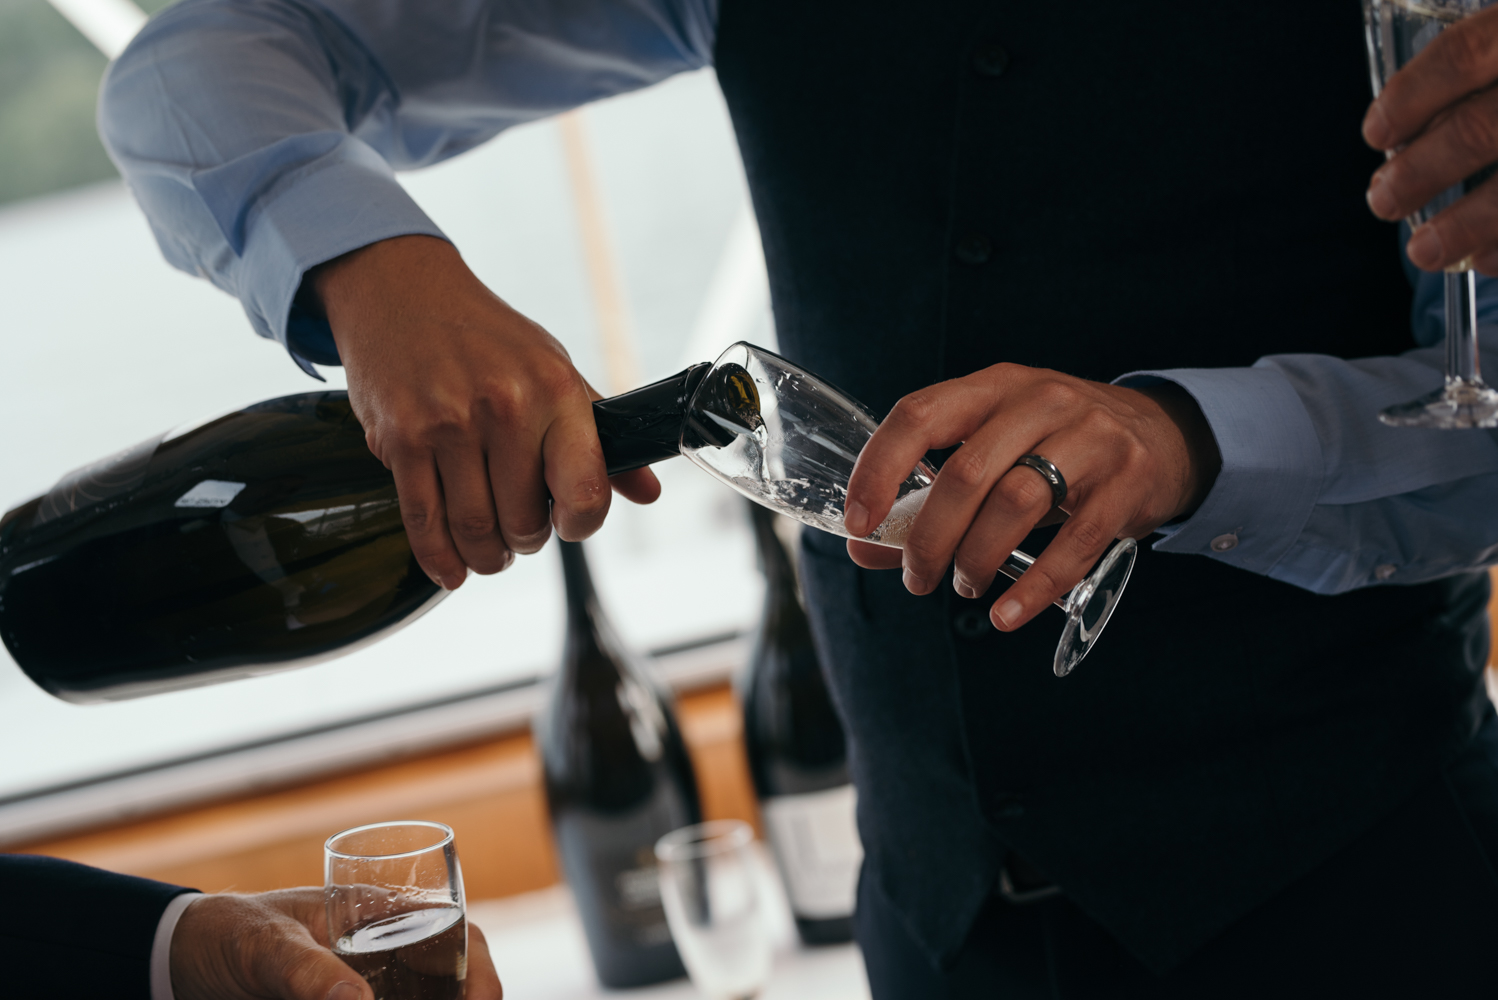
(1052, 475)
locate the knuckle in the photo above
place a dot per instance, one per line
(473, 527)
(504, 402)
(1466, 51)
(1058, 393)
(922, 550)
(967, 469)
(1047, 579)
(1474, 131)
(915, 410)
(1017, 495)
(557, 380)
(420, 518)
(1089, 535)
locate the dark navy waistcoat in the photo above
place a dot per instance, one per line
(1095, 187)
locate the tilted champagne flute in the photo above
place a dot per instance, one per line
(1397, 31)
(787, 439)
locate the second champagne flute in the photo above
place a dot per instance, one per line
(1398, 30)
(708, 885)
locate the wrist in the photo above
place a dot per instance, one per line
(384, 280)
(1203, 458)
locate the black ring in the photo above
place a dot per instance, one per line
(1052, 475)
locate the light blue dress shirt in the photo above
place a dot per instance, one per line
(261, 136)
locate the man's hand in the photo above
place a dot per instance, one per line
(476, 410)
(274, 946)
(1441, 114)
(1133, 460)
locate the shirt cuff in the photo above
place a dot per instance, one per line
(341, 202)
(161, 947)
(1272, 466)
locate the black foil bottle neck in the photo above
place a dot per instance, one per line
(643, 426)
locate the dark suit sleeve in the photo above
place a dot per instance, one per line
(71, 931)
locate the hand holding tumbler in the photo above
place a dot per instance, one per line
(394, 894)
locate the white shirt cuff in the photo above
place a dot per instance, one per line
(161, 947)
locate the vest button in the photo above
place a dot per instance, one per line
(973, 249)
(1225, 543)
(1384, 572)
(990, 59)
(972, 624)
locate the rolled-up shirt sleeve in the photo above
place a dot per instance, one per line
(261, 137)
(1316, 492)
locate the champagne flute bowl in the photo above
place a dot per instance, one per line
(787, 439)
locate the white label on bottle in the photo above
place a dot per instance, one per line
(210, 493)
(639, 887)
(816, 845)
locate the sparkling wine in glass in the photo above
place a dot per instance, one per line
(788, 440)
(1398, 30)
(394, 899)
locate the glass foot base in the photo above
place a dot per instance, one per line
(1091, 604)
(1460, 404)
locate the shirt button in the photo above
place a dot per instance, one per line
(1385, 571)
(973, 249)
(972, 624)
(1225, 543)
(990, 59)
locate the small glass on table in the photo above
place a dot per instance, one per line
(708, 886)
(395, 907)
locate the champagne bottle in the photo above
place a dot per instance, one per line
(265, 539)
(797, 755)
(618, 778)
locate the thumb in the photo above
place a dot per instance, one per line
(305, 971)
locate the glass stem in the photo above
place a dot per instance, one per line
(1014, 567)
(1461, 328)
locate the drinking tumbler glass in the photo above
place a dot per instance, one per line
(394, 896)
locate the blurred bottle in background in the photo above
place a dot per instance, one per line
(797, 755)
(618, 778)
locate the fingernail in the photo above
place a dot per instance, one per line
(913, 583)
(1376, 130)
(1009, 612)
(344, 991)
(1380, 201)
(856, 519)
(1424, 248)
(963, 587)
(452, 582)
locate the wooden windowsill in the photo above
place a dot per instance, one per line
(489, 792)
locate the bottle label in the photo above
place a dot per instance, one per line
(816, 845)
(211, 493)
